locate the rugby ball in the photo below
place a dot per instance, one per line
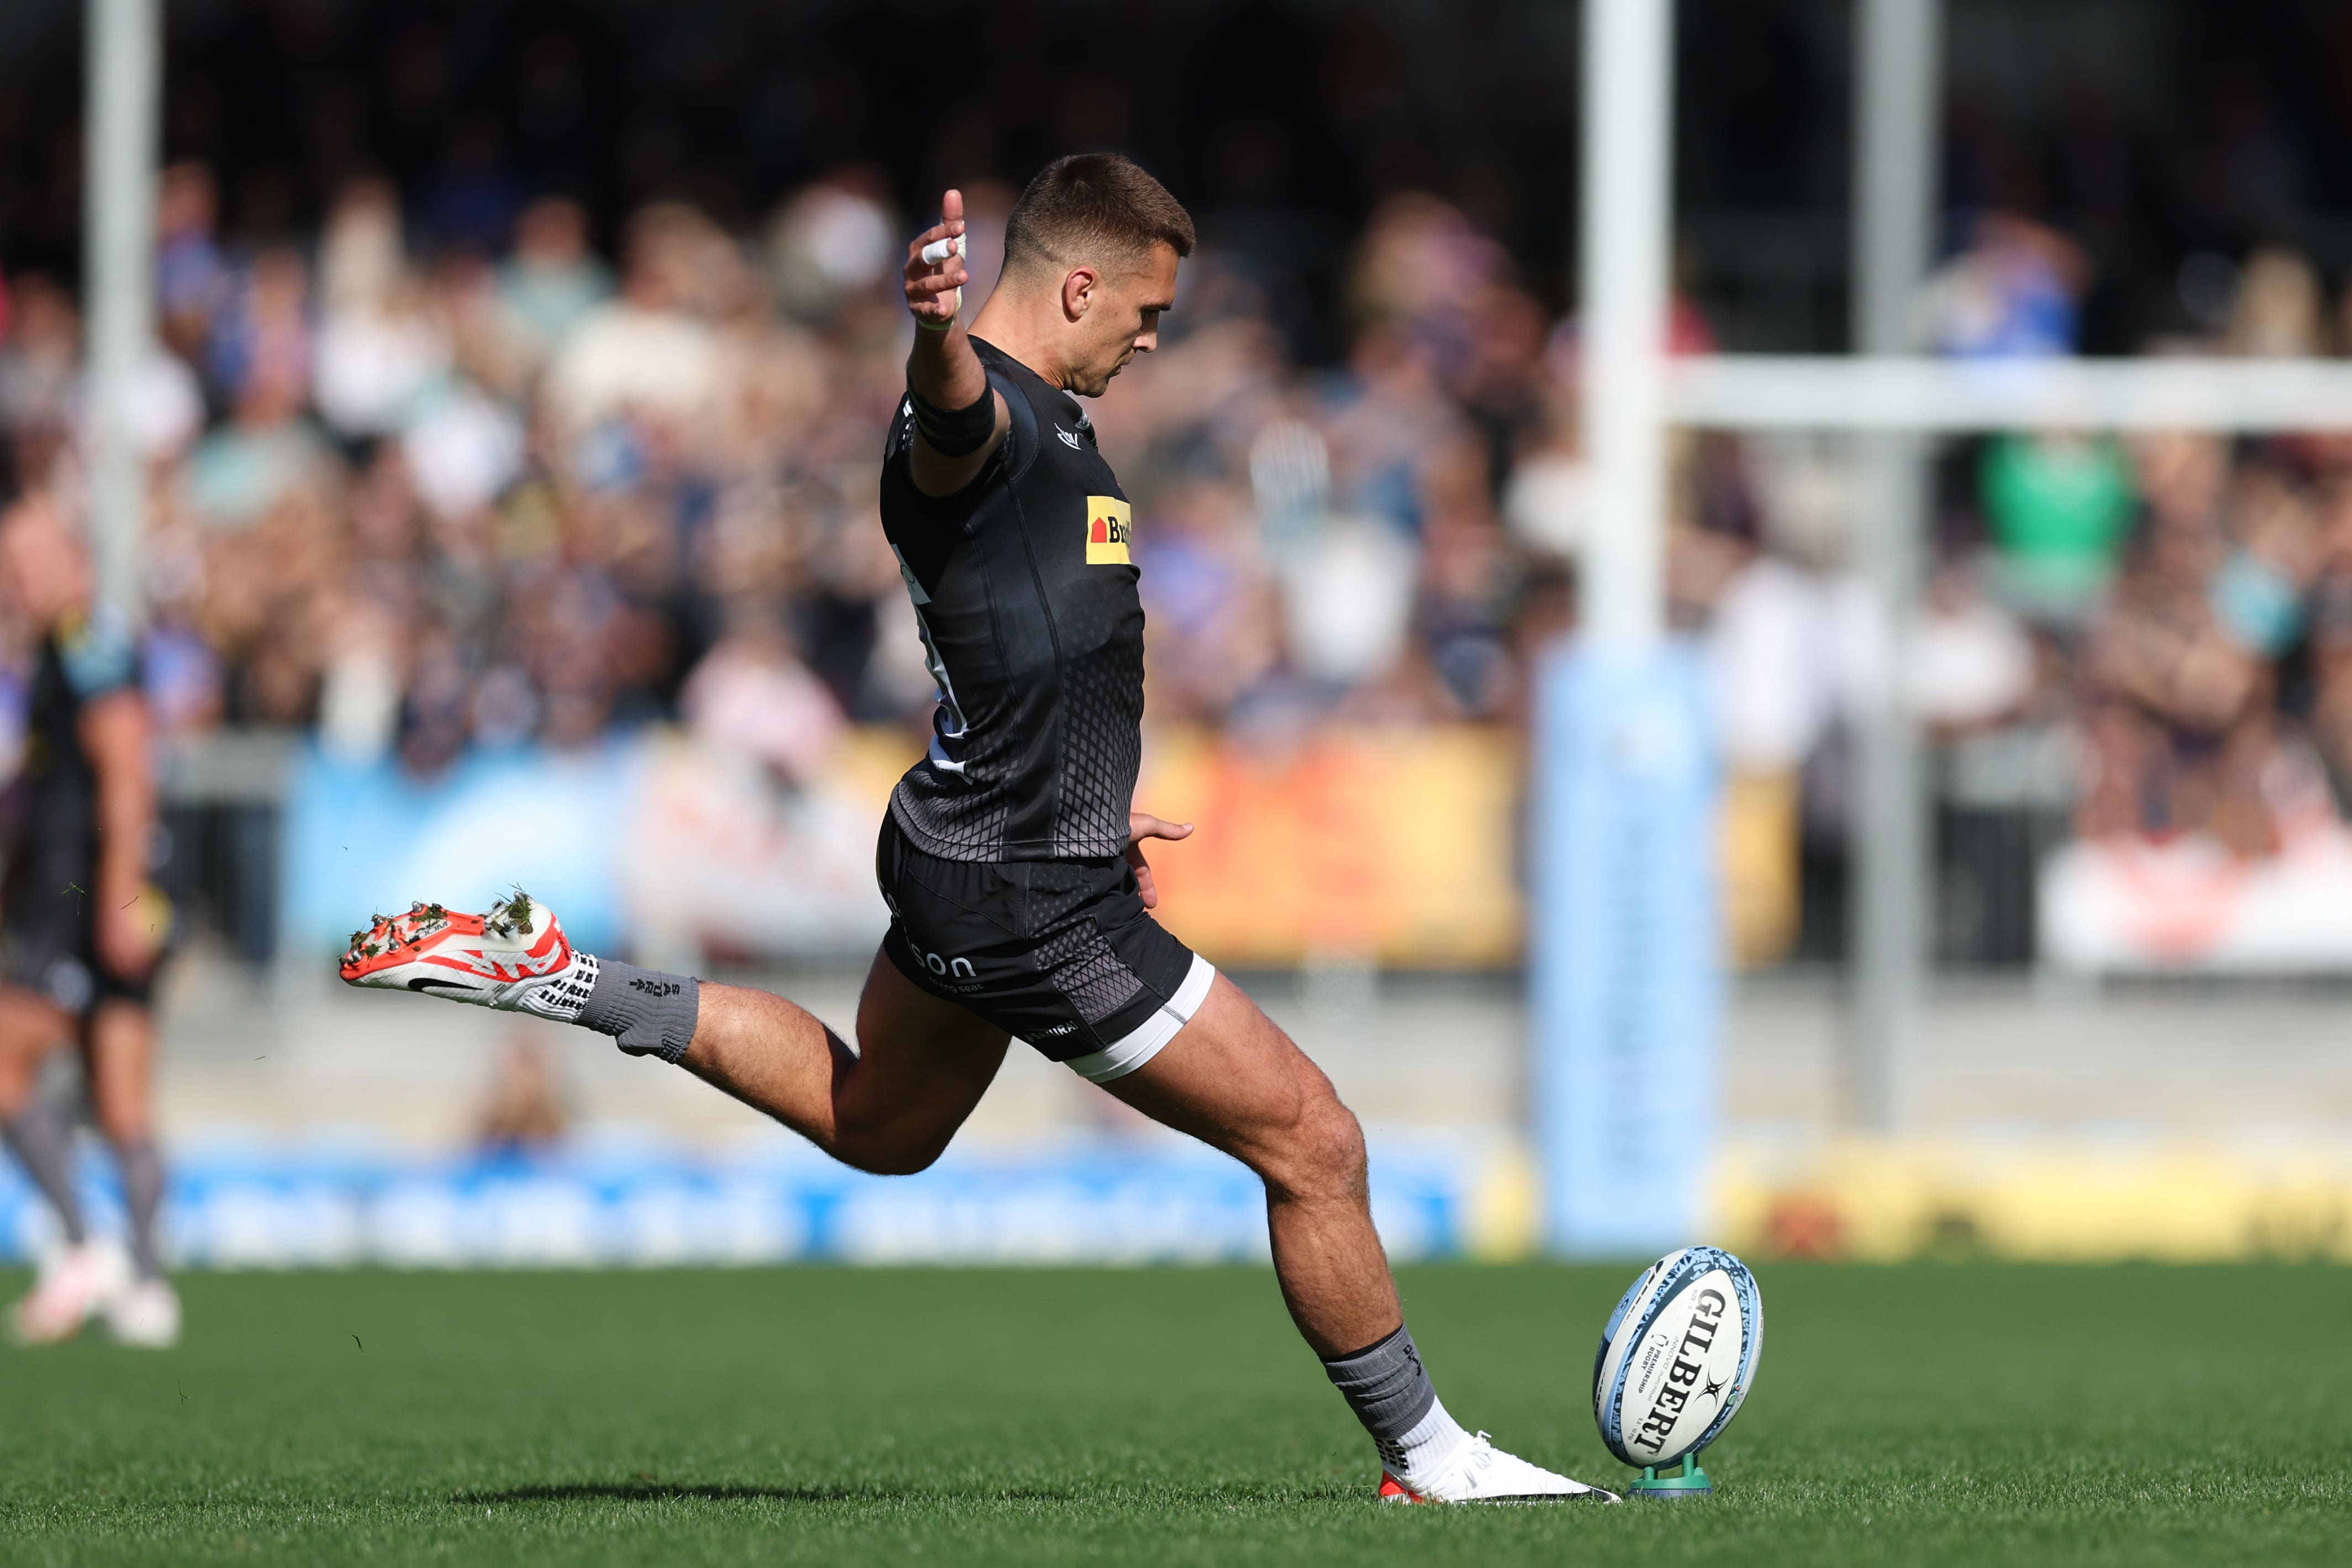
(1678, 1357)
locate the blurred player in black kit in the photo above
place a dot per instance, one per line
(81, 930)
(1011, 857)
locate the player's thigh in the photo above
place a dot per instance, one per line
(1232, 1078)
(922, 1060)
(120, 1051)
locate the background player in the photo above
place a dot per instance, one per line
(82, 929)
(1010, 856)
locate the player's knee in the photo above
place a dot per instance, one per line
(22, 1048)
(1321, 1154)
(122, 1125)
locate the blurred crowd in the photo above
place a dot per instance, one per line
(428, 501)
(2172, 607)
(432, 497)
(433, 501)
(2181, 599)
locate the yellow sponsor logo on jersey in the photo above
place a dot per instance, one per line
(1109, 523)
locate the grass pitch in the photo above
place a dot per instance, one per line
(1937, 1414)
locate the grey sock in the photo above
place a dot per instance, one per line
(649, 1013)
(42, 1141)
(143, 1194)
(1384, 1384)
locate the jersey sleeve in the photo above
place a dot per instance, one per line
(97, 658)
(897, 454)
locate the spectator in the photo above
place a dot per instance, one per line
(240, 473)
(1973, 665)
(2273, 552)
(382, 350)
(751, 694)
(190, 277)
(644, 353)
(2177, 709)
(552, 281)
(2281, 310)
(2014, 292)
(40, 365)
(524, 1113)
(2059, 504)
(834, 241)
(262, 332)
(2331, 633)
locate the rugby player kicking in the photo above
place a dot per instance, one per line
(81, 931)
(1010, 857)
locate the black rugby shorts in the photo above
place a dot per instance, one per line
(1060, 954)
(49, 944)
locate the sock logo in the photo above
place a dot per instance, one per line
(657, 987)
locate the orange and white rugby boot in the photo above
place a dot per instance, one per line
(1477, 1471)
(514, 958)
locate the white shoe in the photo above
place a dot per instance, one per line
(70, 1287)
(1480, 1472)
(145, 1312)
(514, 958)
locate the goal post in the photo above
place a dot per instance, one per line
(1624, 941)
(125, 40)
(1621, 961)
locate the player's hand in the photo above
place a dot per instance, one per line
(1141, 826)
(129, 932)
(935, 289)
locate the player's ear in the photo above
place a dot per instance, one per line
(1078, 286)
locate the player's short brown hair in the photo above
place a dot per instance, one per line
(1092, 205)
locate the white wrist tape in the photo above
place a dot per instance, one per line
(939, 250)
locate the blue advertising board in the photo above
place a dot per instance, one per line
(243, 1202)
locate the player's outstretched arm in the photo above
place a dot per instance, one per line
(958, 421)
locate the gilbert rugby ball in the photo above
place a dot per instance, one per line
(1678, 1357)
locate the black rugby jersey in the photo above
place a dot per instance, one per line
(1033, 629)
(48, 814)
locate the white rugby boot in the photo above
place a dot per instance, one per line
(71, 1286)
(1477, 1471)
(515, 957)
(146, 1313)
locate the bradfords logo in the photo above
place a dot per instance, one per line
(1682, 1377)
(1108, 526)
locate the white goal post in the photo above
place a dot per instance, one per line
(1886, 396)
(1793, 392)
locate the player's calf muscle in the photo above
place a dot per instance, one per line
(779, 1058)
(769, 1053)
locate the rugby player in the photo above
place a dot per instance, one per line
(82, 929)
(1011, 857)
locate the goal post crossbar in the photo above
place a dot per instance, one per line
(1888, 393)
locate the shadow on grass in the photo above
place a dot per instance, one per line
(667, 1491)
(663, 1491)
